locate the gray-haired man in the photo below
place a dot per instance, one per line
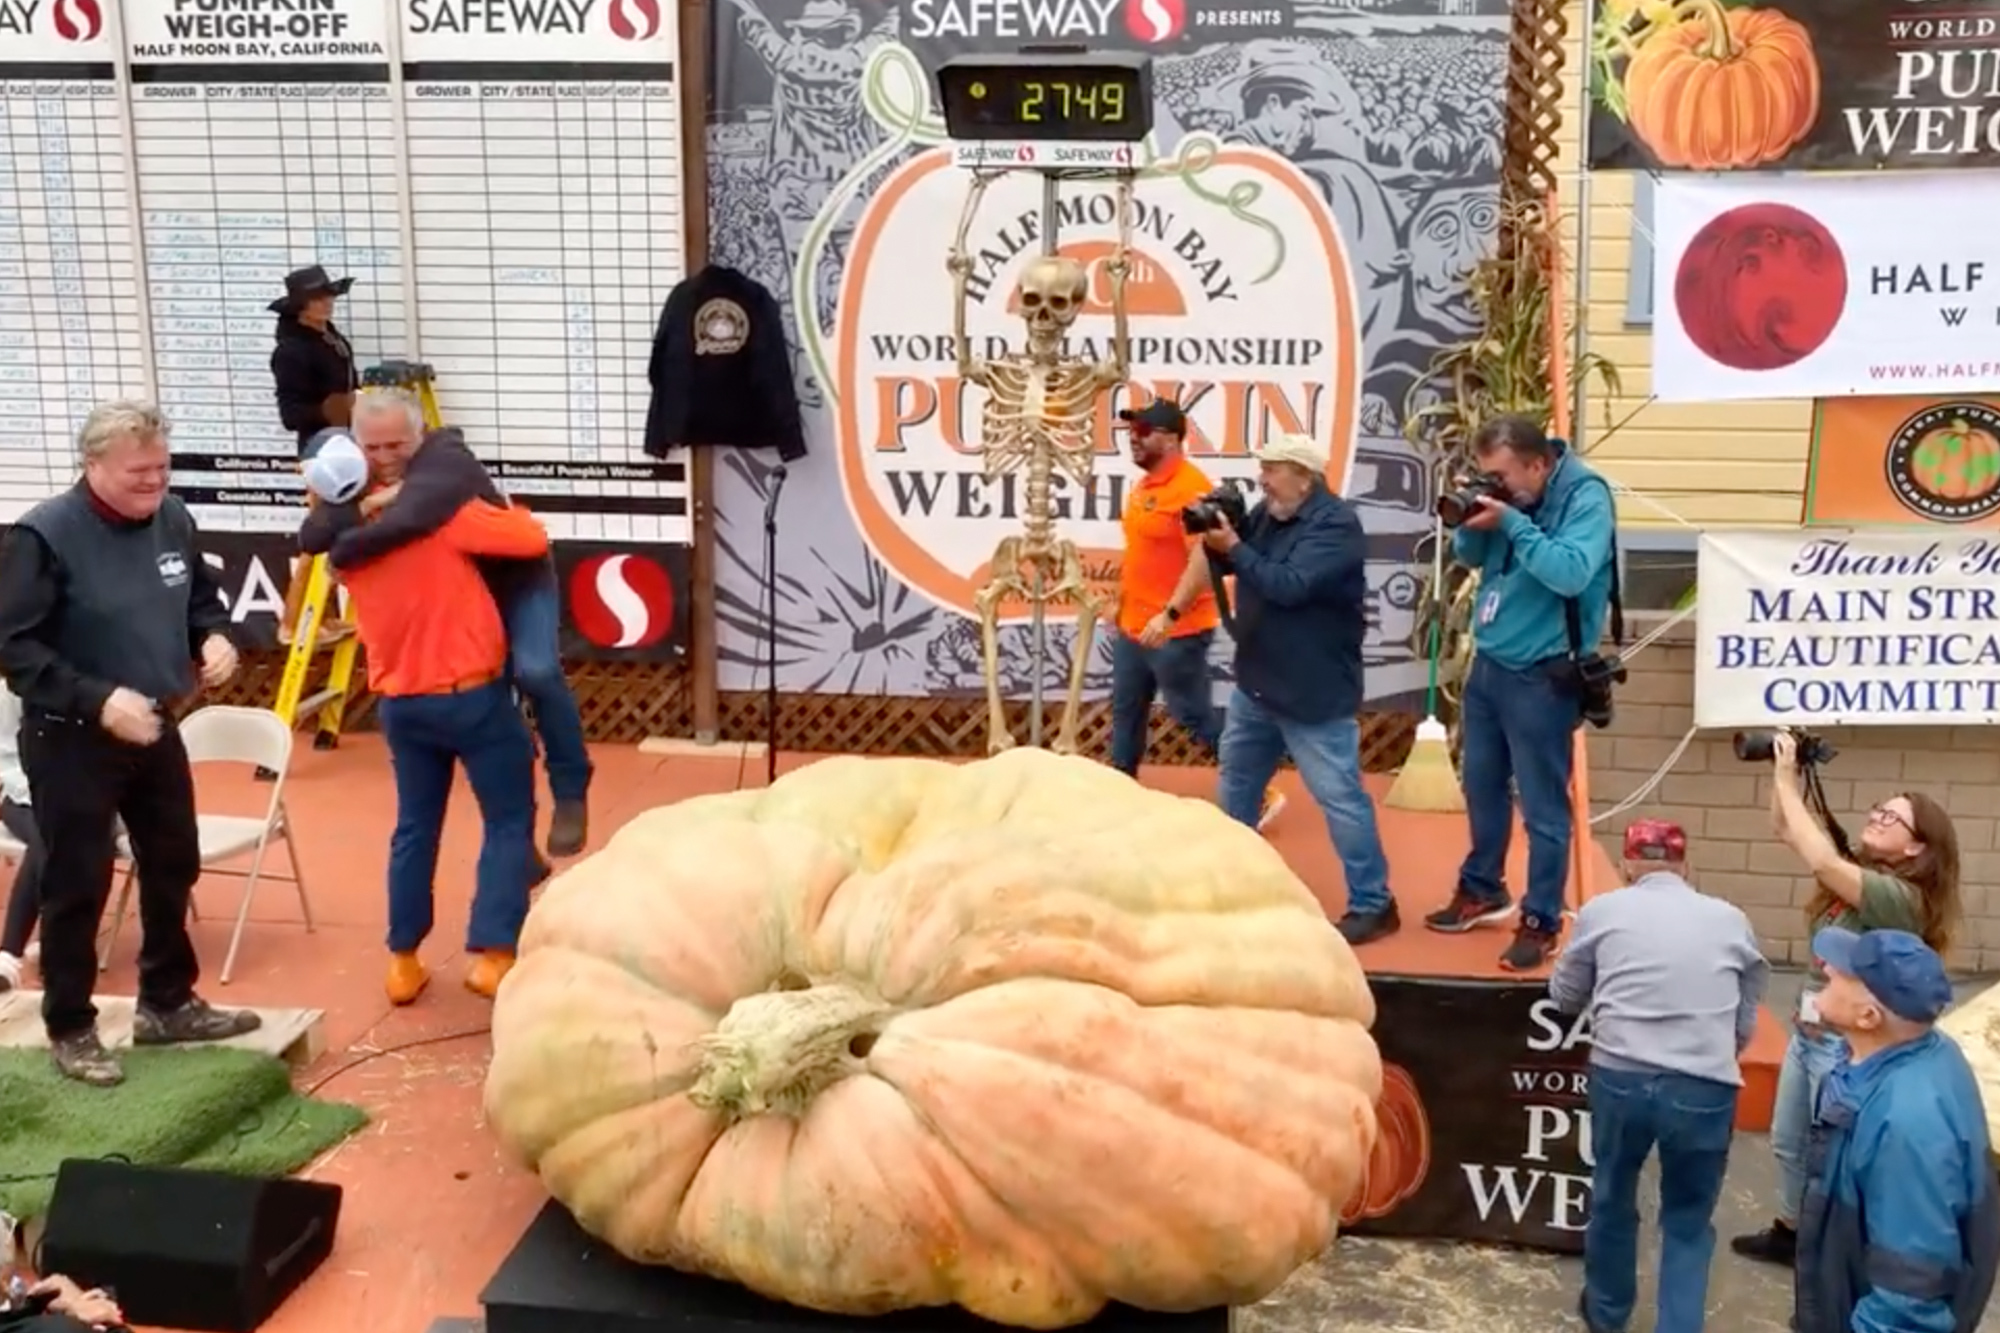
(105, 606)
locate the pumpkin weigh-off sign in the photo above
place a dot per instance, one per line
(1905, 461)
(1826, 85)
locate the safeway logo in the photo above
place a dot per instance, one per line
(621, 602)
(634, 20)
(78, 20)
(1156, 21)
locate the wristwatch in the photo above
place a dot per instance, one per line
(1172, 613)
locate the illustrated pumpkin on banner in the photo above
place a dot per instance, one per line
(1401, 1161)
(1017, 1035)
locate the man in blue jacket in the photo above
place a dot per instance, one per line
(1298, 625)
(1544, 556)
(1900, 1231)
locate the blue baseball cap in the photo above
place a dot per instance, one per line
(1898, 969)
(336, 469)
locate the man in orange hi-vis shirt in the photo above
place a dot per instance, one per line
(437, 656)
(1166, 609)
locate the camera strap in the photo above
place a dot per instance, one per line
(1573, 614)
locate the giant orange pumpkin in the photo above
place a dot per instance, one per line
(1018, 1035)
(1721, 90)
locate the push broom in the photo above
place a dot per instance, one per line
(1428, 780)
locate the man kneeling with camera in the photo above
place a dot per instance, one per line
(1539, 526)
(1298, 559)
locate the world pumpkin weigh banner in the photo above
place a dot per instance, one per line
(1813, 85)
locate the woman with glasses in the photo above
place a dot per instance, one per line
(1904, 876)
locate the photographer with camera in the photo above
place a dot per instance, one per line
(1298, 559)
(1540, 527)
(1903, 877)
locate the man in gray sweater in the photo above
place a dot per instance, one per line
(1671, 979)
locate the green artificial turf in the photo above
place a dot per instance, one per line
(215, 1109)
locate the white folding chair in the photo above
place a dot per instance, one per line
(257, 737)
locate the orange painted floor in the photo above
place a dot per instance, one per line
(431, 1207)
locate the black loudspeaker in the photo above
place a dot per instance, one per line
(187, 1249)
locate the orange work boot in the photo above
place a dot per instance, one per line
(407, 978)
(488, 972)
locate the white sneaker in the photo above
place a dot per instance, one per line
(10, 972)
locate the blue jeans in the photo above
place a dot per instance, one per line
(1690, 1120)
(1177, 671)
(1328, 755)
(534, 640)
(482, 729)
(1809, 1058)
(1516, 728)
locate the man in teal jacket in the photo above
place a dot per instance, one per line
(1900, 1231)
(1542, 551)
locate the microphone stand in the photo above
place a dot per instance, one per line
(778, 475)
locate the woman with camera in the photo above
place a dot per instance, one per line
(1904, 877)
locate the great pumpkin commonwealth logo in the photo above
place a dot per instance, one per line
(1943, 464)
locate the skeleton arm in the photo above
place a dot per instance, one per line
(1112, 371)
(972, 369)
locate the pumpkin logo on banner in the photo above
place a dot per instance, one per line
(1400, 1161)
(1944, 463)
(1715, 89)
(1243, 310)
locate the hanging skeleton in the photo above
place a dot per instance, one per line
(1039, 416)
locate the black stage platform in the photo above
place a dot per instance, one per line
(559, 1280)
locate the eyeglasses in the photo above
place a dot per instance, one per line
(1884, 817)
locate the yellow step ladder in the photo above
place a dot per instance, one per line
(314, 632)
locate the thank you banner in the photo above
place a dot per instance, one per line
(1854, 628)
(1827, 85)
(1825, 286)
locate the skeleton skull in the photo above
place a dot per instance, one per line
(1052, 291)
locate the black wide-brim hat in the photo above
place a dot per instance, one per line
(301, 285)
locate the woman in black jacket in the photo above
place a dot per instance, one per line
(313, 370)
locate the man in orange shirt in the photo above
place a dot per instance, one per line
(437, 656)
(1166, 607)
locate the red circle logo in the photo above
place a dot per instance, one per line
(621, 602)
(1761, 287)
(634, 20)
(1155, 21)
(79, 20)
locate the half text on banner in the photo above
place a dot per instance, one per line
(1825, 286)
(1852, 628)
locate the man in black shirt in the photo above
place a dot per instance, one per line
(105, 604)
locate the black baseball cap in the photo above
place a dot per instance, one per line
(1160, 415)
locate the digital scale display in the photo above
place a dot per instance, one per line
(1074, 98)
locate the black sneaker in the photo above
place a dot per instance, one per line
(1531, 948)
(83, 1058)
(1776, 1244)
(197, 1020)
(1358, 928)
(569, 828)
(1465, 911)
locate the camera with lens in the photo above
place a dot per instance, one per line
(1208, 513)
(1595, 677)
(1757, 747)
(1454, 507)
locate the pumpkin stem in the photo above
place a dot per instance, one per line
(1720, 44)
(773, 1053)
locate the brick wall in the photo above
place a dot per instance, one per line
(1723, 804)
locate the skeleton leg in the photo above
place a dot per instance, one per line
(1071, 586)
(1004, 582)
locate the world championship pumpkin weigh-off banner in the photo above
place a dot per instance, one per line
(1813, 85)
(1485, 1121)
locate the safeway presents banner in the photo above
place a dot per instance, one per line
(1911, 461)
(1862, 627)
(1484, 1114)
(1825, 286)
(1825, 85)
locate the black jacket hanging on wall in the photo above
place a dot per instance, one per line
(720, 371)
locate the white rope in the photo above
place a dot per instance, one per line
(1646, 788)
